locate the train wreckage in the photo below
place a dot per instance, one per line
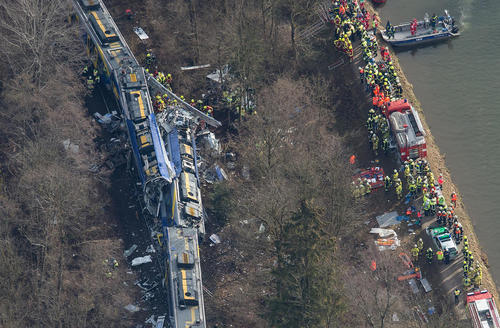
(165, 155)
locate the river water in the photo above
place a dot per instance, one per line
(458, 85)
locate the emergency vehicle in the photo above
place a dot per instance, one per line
(407, 130)
(483, 310)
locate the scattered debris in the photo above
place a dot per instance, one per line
(214, 173)
(140, 33)
(129, 251)
(395, 317)
(262, 228)
(141, 260)
(215, 239)
(207, 139)
(160, 322)
(388, 239)
(110, 121)
(190, 68)
(70, 146)
(231, 157)
(150, 249)
(151, 320)
(217, 75)
(413, 286)
(383, 233)
(132, 308)
(426, 285)
(387, 219)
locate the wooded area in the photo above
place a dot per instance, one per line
(55, 232)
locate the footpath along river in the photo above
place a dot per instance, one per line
(458, 85)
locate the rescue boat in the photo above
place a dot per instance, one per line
(378, 2)
(445, 29)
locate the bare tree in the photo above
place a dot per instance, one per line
(35, 37)
(374, 293)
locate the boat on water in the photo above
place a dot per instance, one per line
(378, 2)
(402, 36)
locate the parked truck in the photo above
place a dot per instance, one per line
(407, 130)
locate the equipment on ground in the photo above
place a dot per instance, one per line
(374, 176)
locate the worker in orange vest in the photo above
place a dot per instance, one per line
(454, 199)
(375, 101)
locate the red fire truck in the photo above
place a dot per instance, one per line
(483, 310)
(407, 130)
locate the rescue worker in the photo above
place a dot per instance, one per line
(375, 144)
(412, 188)
(368, 188)
(477, 281)
(85, 70)
(96, 72)
(385, 145)
(434, 20)
(387, 183)
(454, 199)
(432, 202)
(457, 294)
(420, 245)
(439, 256)
(395, 175)
(419, 218)
(466, 282)
(90, 83)
(414, 253)
(399, 190)
(465, 267)
(446, 256)
(427, 207)
(429, 255)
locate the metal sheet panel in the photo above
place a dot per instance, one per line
(161, 154)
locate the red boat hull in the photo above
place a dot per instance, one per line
(378, 1)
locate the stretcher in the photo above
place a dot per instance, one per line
(374, 175)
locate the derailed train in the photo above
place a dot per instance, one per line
(164, 152)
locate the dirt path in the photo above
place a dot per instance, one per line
(444, 278)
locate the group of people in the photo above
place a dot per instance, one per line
(381, 80)
(361, 187)
(91, 75)
(472, 272)
(352, 20)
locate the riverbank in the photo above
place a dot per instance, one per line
(437, 160)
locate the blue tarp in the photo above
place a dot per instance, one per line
(173, 140)
(161, 154)
(135, 148)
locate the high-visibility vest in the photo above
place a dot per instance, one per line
(439, 255)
